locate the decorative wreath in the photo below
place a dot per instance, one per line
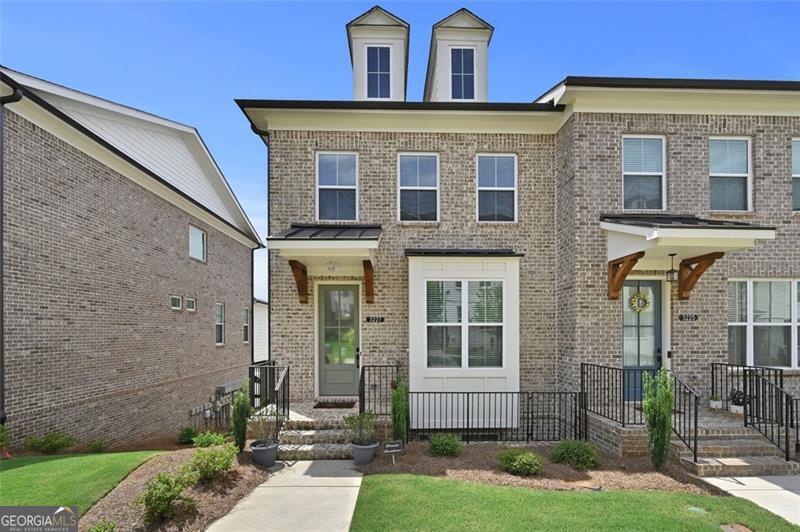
(639, 302)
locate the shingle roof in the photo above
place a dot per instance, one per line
(676, 221)
(328, 232)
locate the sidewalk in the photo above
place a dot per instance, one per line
(779, 495)
(304, 495)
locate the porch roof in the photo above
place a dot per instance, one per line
(463, 252)
(328, 232)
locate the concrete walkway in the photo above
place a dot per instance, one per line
(779, 495)
(303, 495)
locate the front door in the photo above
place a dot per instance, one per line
(641, 324)
(338, 339)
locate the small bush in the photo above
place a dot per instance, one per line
(5, 438)
(520, 462)
(444, 445)
(97, 446)
(578, 454)
(51, 443)
(208, 439)
(241, 412)
(187, 435)
(657, 405)
(361, 428)
(399, 410)
(164, 497)
(104, 526)
(210, 463)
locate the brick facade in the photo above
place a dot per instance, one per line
(91, 260)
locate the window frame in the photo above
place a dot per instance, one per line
(474, 72)
(194, 303)
(478, 189)
(794, 176)
(750, 323)
(216, 324)
(204, 260)
(464, 324)
(436, 189)
(334, 187)
(367, 46)
(663, 172)
(748, 176)
(246, 325)
(180, 303)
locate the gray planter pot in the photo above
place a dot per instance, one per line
(715, 405)
(363, 454)
(264, 454)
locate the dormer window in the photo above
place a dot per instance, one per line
(462, 73)
(378, 68)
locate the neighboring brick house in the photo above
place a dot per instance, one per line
(127, 269)
(497, 246)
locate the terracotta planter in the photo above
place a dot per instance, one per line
(264, 454)
(363, 454)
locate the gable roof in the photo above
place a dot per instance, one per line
(168, 151)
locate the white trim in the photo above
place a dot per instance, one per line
(194, 304)
(514, 189)
(172, 300)
(749, 174)
(331, 187)
(450, 49)
(217, 323)
(367, 46)
(205, 244)
(437, 188)
(662, 173)
(666, 316)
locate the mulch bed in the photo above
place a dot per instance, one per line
(478, 463)
(213, 500)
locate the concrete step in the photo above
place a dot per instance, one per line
(311, 436)
(316, 451)
(728, 448)
(743, 466)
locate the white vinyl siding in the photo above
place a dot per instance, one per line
(796, 174)
(197, 243)
(418, 182)
(643, 174)
(497, 187)
(337, 186)
(729, 174)
(219, 323)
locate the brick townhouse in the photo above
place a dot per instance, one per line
(127, 268)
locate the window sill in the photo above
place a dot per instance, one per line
(732, 213)
(201, 261)
(219, 345)
(488, 222)
(420, 223)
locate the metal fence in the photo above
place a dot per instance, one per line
(375, 386)
(269, 385)
(727, 378)
(768, 409)
(214, 415)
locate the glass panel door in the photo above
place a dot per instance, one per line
(641, 333)
(338, 340)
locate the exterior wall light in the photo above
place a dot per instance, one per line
(672, 273)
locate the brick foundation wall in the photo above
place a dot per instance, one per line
(614, 439)
(91, 260)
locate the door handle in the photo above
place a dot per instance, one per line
(358, 357)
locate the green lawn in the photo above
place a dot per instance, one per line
(409, 502)
(65, 480)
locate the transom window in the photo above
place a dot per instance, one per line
(497, 188)
(197, 243)
(337, 194)
(643, 173)
(456, 339)
(764, 322)
(729, 172)
(419, 187)
(462, 73)
(378, 76)
(796, 174)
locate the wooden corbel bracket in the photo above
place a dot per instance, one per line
(618, 270)
(692, 269)
(369, 282)
(301, 279)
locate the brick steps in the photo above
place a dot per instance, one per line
(315, 451)
(742, 466)
(312, 436)
(728, 448)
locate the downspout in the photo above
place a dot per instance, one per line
(252, 313)
(11, 98)
(264, 136)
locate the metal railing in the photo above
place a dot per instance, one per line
(375, 386)
(768, 409)
(497, 416)
(795, 419)
(685, 406)
(727, 378)
(269, 385)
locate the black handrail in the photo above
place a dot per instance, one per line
(795, 419)
(768, 409)
(375, 385)
(269, 385)
(726, 378)
(685, 408)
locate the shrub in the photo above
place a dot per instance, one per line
(400, 410)
(241, 412)
(208, 464)
(519, 461)
(5, 438)
(97, 446)
(578, 454)
(52, 443)
(187, 435)
(104, 525)
(361, 428)
(164, 496)
(208, 439)
(657, 406)
(266, 425)
(737, 398)
(444, 445)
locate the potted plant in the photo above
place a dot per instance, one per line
(361, 429)
(265, 427)
(736, 402)
(715, 402)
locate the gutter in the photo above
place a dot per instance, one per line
(4, 100)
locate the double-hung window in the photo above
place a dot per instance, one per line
(497, 188)
(419, 187)
(378, 76)
(245, 324)
(729, 173)
(643, 174)
(219, 323)
(462, 73)
(764, 322)
(337, 186)
(197, 243)
(464, 324)
(796, 174)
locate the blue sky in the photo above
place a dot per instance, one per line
(187, 61)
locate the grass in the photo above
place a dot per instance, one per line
(410, 502)
(65, 480)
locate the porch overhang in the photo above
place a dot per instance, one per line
(645, 242)
(315, 250)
